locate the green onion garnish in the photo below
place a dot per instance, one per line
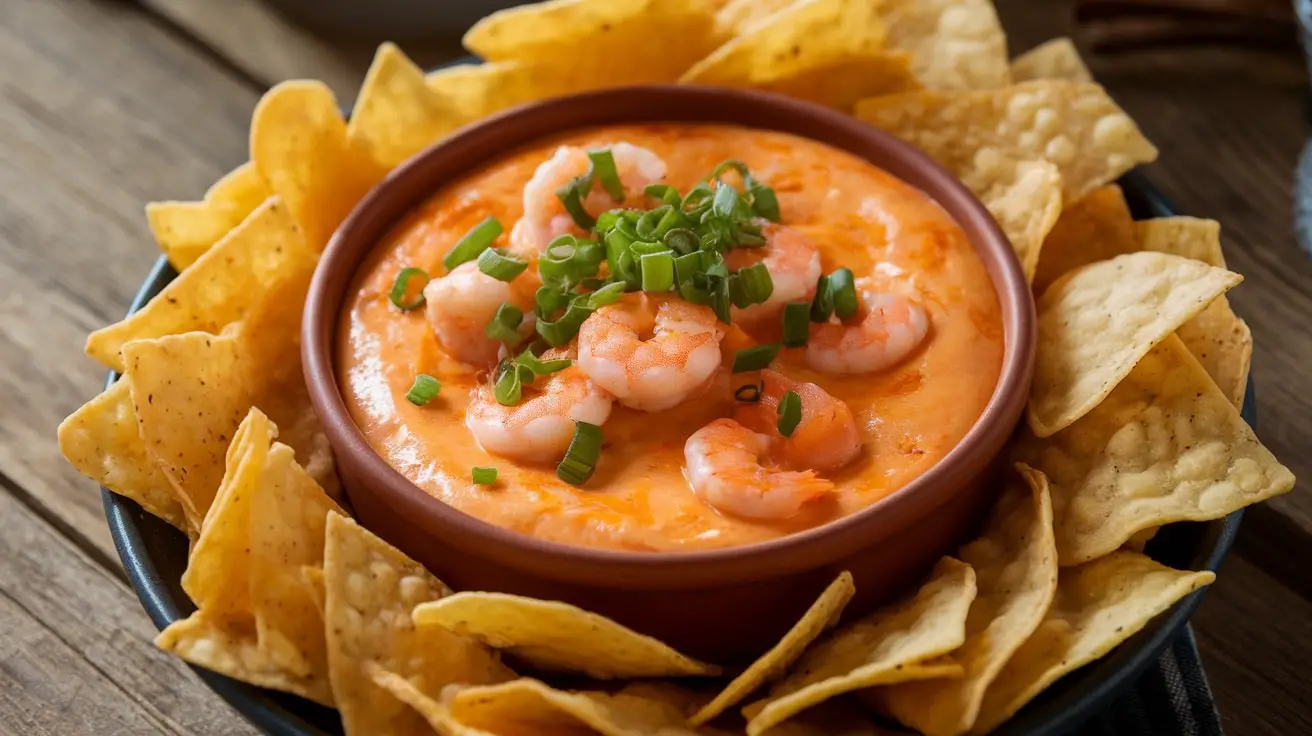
(763, 201)
(682, 240)
(484, 476)
(504, 327)
(507, 387)
(790, 413)
(548, 300)
(749, 393)
(797, 324)
(560, 331)
(665, 193)
(603, 167)
(401, 287)
(726, 199)
(541, 367)
(581, 457)
(423, 390)
(755, 358)
(608, 294)
(569, 260)
(842, 285)
(571, 195)
(752, 285)
(477, 240)
(657, 271)
(822, 306)
(500, 266)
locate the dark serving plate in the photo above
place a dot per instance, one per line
(155, 555)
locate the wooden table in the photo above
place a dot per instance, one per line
(107, 104)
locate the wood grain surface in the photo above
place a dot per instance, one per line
(106, 104)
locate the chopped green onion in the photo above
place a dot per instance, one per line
(823, 304)
(726, 199)
(797, 324)
(752, 285)
(571, 194)
(603, 167)
(790, 413)
(424, 390)
(719, 298)
(727, 164)
(657, 271)
(649, 221)
(682, 240)
(500, 266)
(549, 300)
(507, 388)
(484, 476)
(568, 260)
(581, 458)
(755, 358)
(665, 193)
(764, 202)
(541, 367)
(608, 294)
(477, 240)
(749, 393)
(842, 286)
(560, 331)
(401, 287)
(504, 327)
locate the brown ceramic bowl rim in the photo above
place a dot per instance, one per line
(410, 184)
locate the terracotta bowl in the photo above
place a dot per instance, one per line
(724, 605)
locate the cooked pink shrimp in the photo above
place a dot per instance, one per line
(826, 438)
(723, 461)
(463, 302)
(652, 352)
(794, 266)
(545, 217)
(540, 427)
(891, 327)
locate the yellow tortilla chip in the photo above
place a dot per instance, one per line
(1096, 323)
(1055, 59)
(527, 706)
(185, 230)
(896, 644)
(299, 146)
(313, 579)
(371, 589)
(1026, 202)
(557, 636)
(265, 251)
(437, 715)
(1140, 539)
(624, 41)
(1097, 227)
(256, 620)
(976, 134)
(954, 44)
(101, 440)
(1165, 446)
(822, 614)
(1015, 563)
(826, 51)
(396, 114)
(739, 16)
(1098, 606)
(1187, 237)
(831, 718)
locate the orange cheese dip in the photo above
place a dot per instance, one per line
(858, 216)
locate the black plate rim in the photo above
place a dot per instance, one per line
(1052, 714)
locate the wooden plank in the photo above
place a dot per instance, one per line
(100, 111)
(76, 651)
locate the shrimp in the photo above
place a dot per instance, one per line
(463, 302)
(723, 461)
(794, 266)
(545, 217)
(652, 352)
(540, 427)
(825, 439)
(891, 327)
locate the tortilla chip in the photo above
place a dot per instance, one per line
(623, 41)
(1098, 606)
(256, 620)
(101, 440)
(739, 16)
(1097, 227)
(831, 718)
(1140, 539)
(1165, 446)
(437, 715)
(300, 147)
(977, 134)
(479, 90)
(1015, 563)
(264, 251)
(1187, 237)
(1096, 323)
(185, 230)
(825, 51)
(1026, 202)
(822, 614)
(313, 579)
(371, 588)
(954, 44)
(557, 636)
(1055, 59)
(396, 114)
(896, 644)
(526, 706)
